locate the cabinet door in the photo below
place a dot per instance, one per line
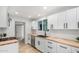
(75, 50)
(61, 20)
(63, 48)
(3, 17)
(40, 44)
(71, 19)
(78, 17)
(50, 47)
(52, 21)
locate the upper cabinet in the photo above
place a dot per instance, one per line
(68, 19)
(78, 17)
(52, 21)
(3, 17)
(71, 21)
(61, 20)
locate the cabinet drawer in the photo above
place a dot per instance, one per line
(50, 46)
(61, 48)
(75, 50)
(50, 43)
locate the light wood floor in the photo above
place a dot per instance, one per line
(26, 48)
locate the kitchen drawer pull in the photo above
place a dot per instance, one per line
(38, 42)
(64, 25)
(48, 52)
(63, 47)
(77, 51)
(49, 47)
(50, 42)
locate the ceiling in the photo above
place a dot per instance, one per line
(35, 12)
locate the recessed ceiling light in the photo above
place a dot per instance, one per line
(16, 12)
(29, 16)
(44, 8)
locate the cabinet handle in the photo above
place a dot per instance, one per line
(48, 52)
(51, 27)
(77, 51)
(50, 42)
(78, 24)
(38, 42)
(64, 25)
(49, 47)
(63, 47)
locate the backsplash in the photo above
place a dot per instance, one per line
(2, 30)
(70, 34)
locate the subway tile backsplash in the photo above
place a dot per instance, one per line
(2, 30)
(69, 34)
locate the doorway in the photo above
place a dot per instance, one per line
(20, 31)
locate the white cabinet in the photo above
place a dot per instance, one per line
(61, 20)
(61, 48)
(78, 17)
(50, 47)
(71, 19)
(75, 50)
(3, 17)
(52, 21)
(40, 44)
(9, 48)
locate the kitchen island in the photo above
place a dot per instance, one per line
(8, 45)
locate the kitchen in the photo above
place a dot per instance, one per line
(39, 29)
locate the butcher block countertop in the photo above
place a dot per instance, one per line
(69, 42)
(8, 42)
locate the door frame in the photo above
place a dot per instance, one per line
(18, 22)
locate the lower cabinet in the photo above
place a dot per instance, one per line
(50, 47)
(75, 50)
(61, 48)
(40, 44)
(9, 48)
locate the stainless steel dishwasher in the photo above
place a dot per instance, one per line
(33, 41)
